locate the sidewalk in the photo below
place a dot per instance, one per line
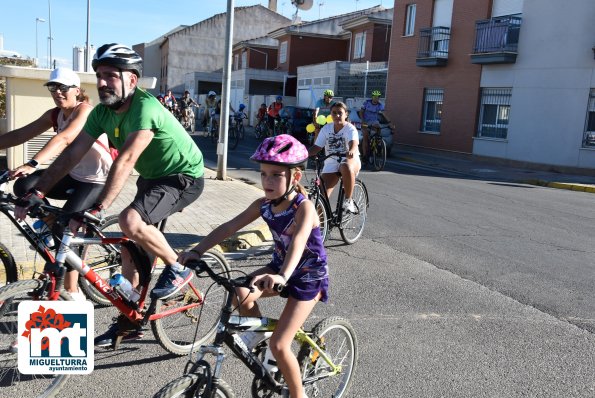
(472, 167)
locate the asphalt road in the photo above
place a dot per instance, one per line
(458, 288)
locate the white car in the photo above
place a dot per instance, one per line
(385, 131)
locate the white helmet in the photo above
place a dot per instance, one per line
(211, 94)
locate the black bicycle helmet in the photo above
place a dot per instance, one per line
(119, 56)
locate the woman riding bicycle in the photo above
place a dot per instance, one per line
(81, 187)
(299, 258)
(339, 137)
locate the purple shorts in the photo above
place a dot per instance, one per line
(306, 291)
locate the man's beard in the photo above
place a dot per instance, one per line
(108, 97)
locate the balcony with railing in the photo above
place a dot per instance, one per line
(496, 40)
(432, 48)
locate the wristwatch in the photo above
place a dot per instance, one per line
(33, 163)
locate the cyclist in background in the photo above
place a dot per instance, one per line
(150, 140)
(186, 103)
(299, 258)
(322, 107)
(83, 184)
(368, 114)
(210, 105)
(273, 113)
(339, 137)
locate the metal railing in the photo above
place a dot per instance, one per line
(433, 42)
(498, 34)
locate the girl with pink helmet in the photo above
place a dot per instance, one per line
(299, 257)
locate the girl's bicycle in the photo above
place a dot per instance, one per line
(351, 225)
(261, 130)
(327, 354)
(171, 319)
(105, 259)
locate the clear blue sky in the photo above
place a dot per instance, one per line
(126, 21)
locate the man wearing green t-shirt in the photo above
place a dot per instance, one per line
(153, 142)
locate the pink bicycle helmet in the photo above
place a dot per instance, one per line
(282, 150)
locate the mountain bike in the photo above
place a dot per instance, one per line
(351, 225)
(233, 135)
(104, 260)
(327, 354)
(377, 147)
(171, 319)
(261, 129)
(188, 119)
(282, 125)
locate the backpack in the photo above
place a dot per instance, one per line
(111, 149)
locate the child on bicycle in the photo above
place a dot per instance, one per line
(339, 137)
(299, 257)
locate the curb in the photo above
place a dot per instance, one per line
(562, 185)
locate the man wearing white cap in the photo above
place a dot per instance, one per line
(81, 187)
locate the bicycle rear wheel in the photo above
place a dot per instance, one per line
(337, 338)
(193, 385)
(378, 153)
(106, 260)
(12, 382)
(352, 224)
(185, 331)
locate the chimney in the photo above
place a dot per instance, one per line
(273, 5)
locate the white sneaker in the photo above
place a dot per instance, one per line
(349, 206)
(78, 296)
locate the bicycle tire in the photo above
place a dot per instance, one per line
(175, 332)
(337, 338)
(232, 137)
(214, 134)
(352, 224)
(15, 384)
(192, 123)
(378, 153)
(189, 386)
(322, 216)
(241, 130)
(104, 259)
(9, 270)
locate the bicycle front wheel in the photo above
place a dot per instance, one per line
(232, 138)
(352, 224)
(241, 131)
(337, 338)
(105, 260)
(192, 385)
(12, 382)
(192, 316)
(8, 271)
(378, 153)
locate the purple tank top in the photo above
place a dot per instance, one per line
(312, 265)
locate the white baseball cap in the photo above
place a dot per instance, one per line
(64, 76)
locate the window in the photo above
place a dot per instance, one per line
(283, 52)
(494, 112)
(432, 115)
(590, 122)
(410, 20)
(359, 45)
(244, 60)
(236, 60)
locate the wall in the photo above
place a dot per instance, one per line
(459, 79)
(304, 50)
(550, 84)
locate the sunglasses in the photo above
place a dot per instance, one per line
(52, 88)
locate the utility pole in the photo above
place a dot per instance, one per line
(88, 47)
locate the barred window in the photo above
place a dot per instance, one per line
(494, 112)
(432, 112)
(589, 140)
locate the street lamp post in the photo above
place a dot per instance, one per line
(50, 27)
(37, 20)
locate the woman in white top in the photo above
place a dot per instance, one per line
(339, 137)
(81, 187)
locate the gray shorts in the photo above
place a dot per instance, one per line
(161, 197)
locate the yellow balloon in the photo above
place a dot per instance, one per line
(321, 119)
(310, 128)
(329, 119)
